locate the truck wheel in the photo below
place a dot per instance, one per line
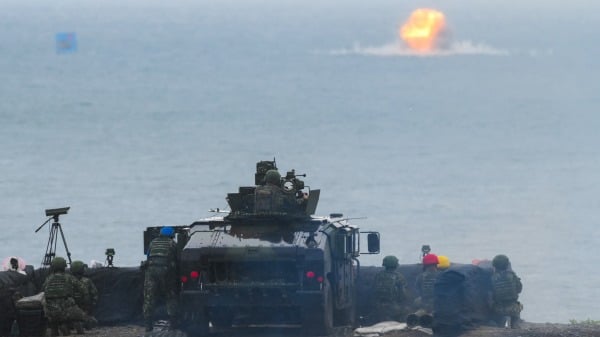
(321, 325)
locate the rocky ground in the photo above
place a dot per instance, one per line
(527, 330)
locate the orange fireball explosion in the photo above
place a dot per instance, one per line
(422, 29)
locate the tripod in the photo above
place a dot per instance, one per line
(55, 230)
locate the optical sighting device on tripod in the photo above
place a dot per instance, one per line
(56, 228)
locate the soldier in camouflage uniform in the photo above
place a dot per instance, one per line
(425, 283)
(506, 287)
(59, 303)
(390, 292)
(88, 300)
(161, 277)
(270, 196)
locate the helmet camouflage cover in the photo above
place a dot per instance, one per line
(272, 177)
(77, 267)
(390, 261)
(500, 262)
(59, 263)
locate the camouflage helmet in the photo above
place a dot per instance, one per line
(77, 267)
(500, 262)
(272, 177)
(58, 263)
(390, 261)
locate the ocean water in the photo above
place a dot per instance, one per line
(490, 147)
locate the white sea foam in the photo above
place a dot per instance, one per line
(396, 49)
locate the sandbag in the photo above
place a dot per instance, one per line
(31, 302)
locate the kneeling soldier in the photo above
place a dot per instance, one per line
(59, 303)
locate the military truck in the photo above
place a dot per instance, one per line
(270, 261)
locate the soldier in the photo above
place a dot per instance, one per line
(273, 178)
(161, 277)
(270, 197)
(59, 304)
(390, 292)
(87, 301)
(425, 283)
(506, 287)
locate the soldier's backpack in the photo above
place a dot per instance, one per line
(386, 286)
(505, 286)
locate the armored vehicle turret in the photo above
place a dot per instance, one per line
(270, 261)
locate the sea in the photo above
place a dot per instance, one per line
(155, 110)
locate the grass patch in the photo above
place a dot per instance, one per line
(586, 322)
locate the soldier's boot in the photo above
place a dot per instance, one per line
(515, 322)
(64, 329)
(53, 329)
(78, 328)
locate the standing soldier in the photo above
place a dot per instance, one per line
(59, 304)
(506, 287)
(425, 283)
(390, 292)
(90, 297)
(161, 277)
(270, 197)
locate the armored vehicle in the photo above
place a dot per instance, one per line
(270, 261)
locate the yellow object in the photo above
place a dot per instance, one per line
(443, 262)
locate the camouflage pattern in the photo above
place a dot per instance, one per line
(425, 285)
(390, 292)
(90, 299)
(273, 177)
(162, 252)
(80, 295)
(59, 304)
(501, 262)
(161, 277)
(390, 261)
(271, 198)
(58, 263)
(506, 286)
(77, 268)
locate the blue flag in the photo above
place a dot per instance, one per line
(66, 43)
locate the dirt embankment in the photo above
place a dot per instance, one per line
(526, 330)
